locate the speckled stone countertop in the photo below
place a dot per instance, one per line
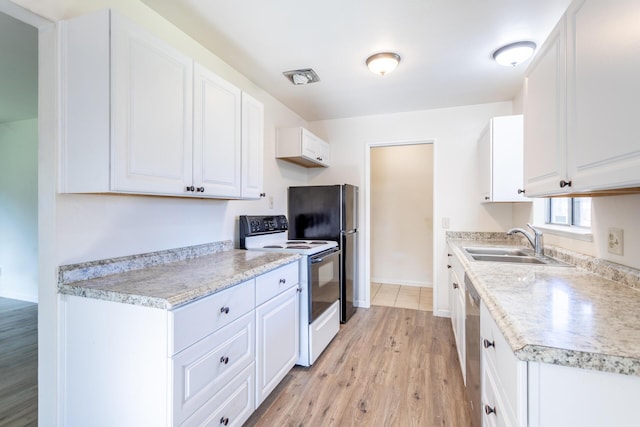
(169, 284)
(561, 315)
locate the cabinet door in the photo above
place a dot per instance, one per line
(278, 344)
(603, 63)
(544, 118)
(252, 147)
(216, 135)
(151, 109)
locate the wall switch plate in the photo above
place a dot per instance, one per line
(615, 241)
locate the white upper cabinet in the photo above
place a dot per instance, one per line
(302, 147)
(500, 154)
(603, 65)
(545, 117)
(579, 91)
(140, 117)
(216, 135)
(252, 147)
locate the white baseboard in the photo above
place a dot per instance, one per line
(19, 296)
(421, 284)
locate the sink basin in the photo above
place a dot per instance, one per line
(510, 255)
(514, 259)
(497, 251)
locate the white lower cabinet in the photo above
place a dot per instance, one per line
(457, 308)
(209, 362)
(278, 344)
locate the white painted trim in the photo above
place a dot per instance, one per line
(367, 212)
(575, 233)
(19, 296)
(9, 8)
(414, 283)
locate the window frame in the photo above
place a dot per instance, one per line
(571, 214)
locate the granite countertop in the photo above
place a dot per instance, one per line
(170, 283)
(560, 315)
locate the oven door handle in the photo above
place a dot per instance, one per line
(321, 258)
(317, 260)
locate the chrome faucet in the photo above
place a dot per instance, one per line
(535, 239)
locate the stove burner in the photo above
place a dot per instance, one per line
(318, 242)
(272, 246)
(295, 242)
(298, 247)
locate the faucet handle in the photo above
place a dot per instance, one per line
(535, 230)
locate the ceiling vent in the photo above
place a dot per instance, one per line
(302, 77)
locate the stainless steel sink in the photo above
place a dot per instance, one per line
(498, 251)
(510, 255)
(507, 258)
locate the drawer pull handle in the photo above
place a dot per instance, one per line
(489, 410)
(224, 359)
(224, 310)
(455, 285)
(224, 421)
(488, 343)
(283, 281)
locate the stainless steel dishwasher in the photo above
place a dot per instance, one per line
(472, 351)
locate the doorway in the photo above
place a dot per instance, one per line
(399, 224)
(19, 261)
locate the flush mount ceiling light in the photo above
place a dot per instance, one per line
(383, 63)
(302, 77)
(514, 53)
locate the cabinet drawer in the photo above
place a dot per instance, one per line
(232, 406)
(509, 373)
(494, 410)
(276, 281)
(202, 370)
(195, 321)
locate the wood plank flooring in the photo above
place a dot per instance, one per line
(387, 367)
(18, 363)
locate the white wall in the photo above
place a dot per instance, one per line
(455, 131)
(19, 210)
(402, 215)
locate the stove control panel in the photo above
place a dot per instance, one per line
(256, 225)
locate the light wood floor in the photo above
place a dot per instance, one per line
(18, 363)
(417, 298)
(387, 367)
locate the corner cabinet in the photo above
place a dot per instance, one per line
(500, 153)
(209, 362)
(579, 90)
(139, 117)
(299, 146)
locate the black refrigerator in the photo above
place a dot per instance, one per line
(330, 212)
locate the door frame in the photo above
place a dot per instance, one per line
(366, 301)
(48, 135)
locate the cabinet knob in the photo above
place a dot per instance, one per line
(224, 359)
(449, 254)
(487, 198)
(489, 410)
(263, 194)
(283, 281)
(224, 421)
(455, 285)
(521, 191)
(191, 188)
(486, 343)
(224, 310)
(319, 159)
(448, 266)
(564, 183)
(299, 289)
(200, 189)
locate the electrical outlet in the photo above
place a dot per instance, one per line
(445, 222)
(615, 242)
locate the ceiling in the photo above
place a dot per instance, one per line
(18, 70)
(445, 45)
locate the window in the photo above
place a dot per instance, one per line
(572, 212)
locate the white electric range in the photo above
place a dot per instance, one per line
(319, 279)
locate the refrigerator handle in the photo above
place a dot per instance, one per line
(344, 233)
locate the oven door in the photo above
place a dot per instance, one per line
(324, 281)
